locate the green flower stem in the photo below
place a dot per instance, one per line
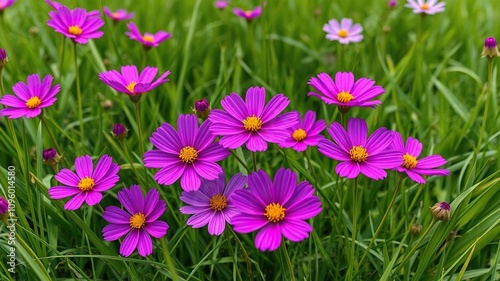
(487, 104)
(2, 90)
(353, 264)
(287, 260)
(254, 156)
(139, 128)
(244, 251)
(61, 57)
(78, 95)
(129, 159)
(54, 141)
(241, 161)
(310, 165)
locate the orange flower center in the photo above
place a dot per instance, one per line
(275, 212)
(138, 220)
(218, 202)
(343, 33)
(115, 15)
(344, 97)
(424, 7)
(252, 123)
(75, 30)
(299, 134)
(86, 184)
(188, 154)
(248, 13)
(131, 86)
(358, 154)
(409, 161)
(33, 102)
(148, 38)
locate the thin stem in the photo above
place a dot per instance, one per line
(245, 253)
(129, 159)
(54, 141)
(354, 228)
(144, 56)
(79, 95)
(254, 156)
(287, 259)
(309, 164)
(139, 128)
(2, 90)
(61, 57)
(487, 104)
(241, 161)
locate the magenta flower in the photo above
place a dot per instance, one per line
(4, 205)
(221, 4)
(54, 4)
(148, 40)
(138, 221)
(415, 168)
(344, 32)
(4, 4)
(276, 208)
(429, 7)
(212, 203)
(88, 182)
(359, 154)
(251, 121)
(248, 14)
(305, 133)
(119, 15)
(76, 24)
(189, 153)
(30, 98)
(345, 92)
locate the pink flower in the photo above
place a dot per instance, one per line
(248, 14)
(305, 133)
(119, 15)
(54, 4)
(148, 40)
(221, 4)
(429, 7)
(4, 4)
(344, 32)
(76, 24)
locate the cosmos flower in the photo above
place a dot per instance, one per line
(248, 14)
(251, 121)
(429, 7)
(276, 209)
(148, 40)
(138, 221)
(344, 32)
(416, 168)
(30, 98)
(345, 92)
(54, 4)
(189, 153)
(88, 182)
(212, 203)
(221, 4)
(305, 133)
(119, 15)
(359, 154)
(4, 4)
(76, 24)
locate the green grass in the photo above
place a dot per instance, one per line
(436, 91)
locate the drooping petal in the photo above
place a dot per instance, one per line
(269, 237)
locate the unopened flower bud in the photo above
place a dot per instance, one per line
(3, 58)
(4, 205)
(202, 108)
(50, 157)
(441, 211)
(107, 104)
(490, 49)
(392, 3)
(415, 229)
(119, 131)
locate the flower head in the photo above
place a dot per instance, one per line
(4, 205)
(275, 208)
(138, 221)
(119, 15)
(305, 133)
(189, 153)
(77, 24)
(130, 82)
(148, 40)
(345, 92)
(344, 32)
(221, 4)
(202, 108)
(3, 58)
(54, 4)
(441, 211)
(88, 182)
(251, 121)
(30, 98)
(429, 7)
(490, 49)
(359, 154)
(212, 204)
(248, 14)
(50, 157)
(4, 4)
(392, 3)
(119, 131)
(416, 168)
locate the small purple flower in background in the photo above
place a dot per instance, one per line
(415, 168)
(429, 7)
(119, 131)
(212, 203)
(54, 4)
(305, 133)
(148, 40)
(276, 209)
(251, 121)
(359, 154)
(344, 32)
(248, 14)
(30, 98)
(189, 153)
(4, 4)
(76, 24)
(138, 221)
(490, 49)
(345, 92)
(4, 205)
(50, 157)
(119, 15)
(88, 182)
(221, 4)
(392, 3)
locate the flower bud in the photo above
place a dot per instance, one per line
(490, 49)
(3, 58)
(441, 211)
(4, 206)
(202, 108)
(50, 157)
(119, 131)
(392, 3)
(107, 104)
(416, 229)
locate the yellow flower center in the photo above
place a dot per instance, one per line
(248, 13)
(424, 7)
(343, 33)
(86, 184)
(358, 154)
(115, 15)
(409, 161)
(148, 38)
(299, 134)
(275, 212)
(218, 202)
(33, 102)
(344, 97)
(188, 154)
(75, 30)
(138, 220)
(131, 86)
(252, 123)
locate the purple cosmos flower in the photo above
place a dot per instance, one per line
(148, 40)
(30, 98)
(119, 15)
(345, 92)
(415, 168)
(429, 7)
(392, 3)
(188, 153)
(130, 82)
(221, 4)
(248, 14)
(359, 154)
(54, 4)
(4, 4)
(138, 221)
(305, 133)
(88, 182)
(4, 205)
(276, 208)
(344, 32)
(76, 24)
(251, 121)
(212, 203)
